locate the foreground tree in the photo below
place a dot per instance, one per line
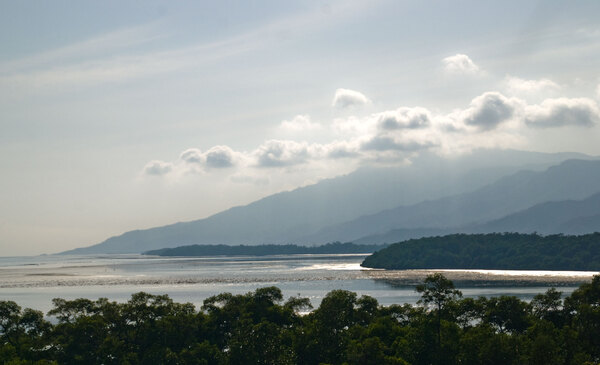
(439, 292)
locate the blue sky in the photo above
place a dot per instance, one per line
(122, 115)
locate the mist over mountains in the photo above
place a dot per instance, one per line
(430, 196)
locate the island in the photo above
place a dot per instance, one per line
(264, 250)
(493, 251)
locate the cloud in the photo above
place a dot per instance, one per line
(300, 123)
(217, 157)
(192, 156)
(345, 98)
(488, 110)
(404, 118)
(517, 85)
(562, 112)
(388, 143)
(220, 157)
(342, 149)
(158, 168)
(277, 153)
(460, 64)
(390, 136)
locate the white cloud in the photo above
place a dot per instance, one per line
(460, 64)
(598, 92)
(158, 168)
(489, 110)
(192, 156)
(404, 118)
(220, 157)
(393, 136)
(342, 149)
(517, 85)
(276, 153)
(562, 112)
(216, 157)
(300, 123)
(345, 98)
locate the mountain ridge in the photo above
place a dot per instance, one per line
(286, 217)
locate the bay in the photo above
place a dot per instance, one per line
(33, 281)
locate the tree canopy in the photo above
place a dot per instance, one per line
(508, 251)
(260, 327)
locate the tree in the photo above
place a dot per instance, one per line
(438, 291)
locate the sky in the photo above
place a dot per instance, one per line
(121, 115)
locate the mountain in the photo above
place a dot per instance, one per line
(574, 217)
(288, 217)
(568, 217)
(572, 179)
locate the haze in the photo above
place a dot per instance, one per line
(116, 116)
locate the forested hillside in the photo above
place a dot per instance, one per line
(492, 251)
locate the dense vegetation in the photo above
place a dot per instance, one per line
(492, 251)
(259, 328)
(262, 250)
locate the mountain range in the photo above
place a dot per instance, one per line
(432, 195)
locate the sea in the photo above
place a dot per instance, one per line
(33, 282)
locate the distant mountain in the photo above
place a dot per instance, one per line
(288, 217)
(572, 179)
(568, 217)
(574, 217)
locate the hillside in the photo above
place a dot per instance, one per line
(572, 179)
(574, 217)
(508, 251)
(288, 217)
(568, 217)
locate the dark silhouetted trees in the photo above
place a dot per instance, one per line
(261, 328)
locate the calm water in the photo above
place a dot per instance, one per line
(34, 281)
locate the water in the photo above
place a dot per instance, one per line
(33, 281)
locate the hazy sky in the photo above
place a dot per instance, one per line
(117, 115)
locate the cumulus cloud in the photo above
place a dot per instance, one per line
(342, 149)
(520, 86)
(217, 157)
(345, 98)
(402, 118)
(158, 168)
(488, 110)
(300, 123)
(192, 156)
(220, 157)
(277, 153)
(460, 64)
(391, 136)
(562, 112)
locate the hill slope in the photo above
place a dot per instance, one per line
(574, 217)
(511, 251)
(572, 179)
(287, 217)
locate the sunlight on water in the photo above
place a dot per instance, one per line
(34, 281)
(353, 266)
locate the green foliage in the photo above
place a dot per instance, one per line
(492, 251)
(260, 328)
